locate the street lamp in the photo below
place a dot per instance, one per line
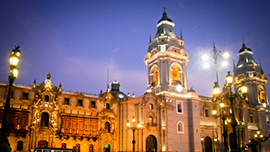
(222, 116)
(14, 60)
(133, 128)
(217, 56)
(231, 97)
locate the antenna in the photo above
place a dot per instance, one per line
(108, 80)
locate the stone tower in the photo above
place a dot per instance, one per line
(166, 61)
(249, 72)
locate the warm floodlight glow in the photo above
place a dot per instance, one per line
(13, 60)
(139, 125)
(258, 132)
(128, 124)
(244, 89)
(216, 89)
(255, 135)
(221, 104)
(14, 72)
(133, 119)
(226, 55)
(214, 112)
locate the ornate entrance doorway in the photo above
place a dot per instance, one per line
(151, 144)
(42, 143)
(208, 144)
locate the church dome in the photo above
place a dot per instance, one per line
(244, 48)
(165, 18)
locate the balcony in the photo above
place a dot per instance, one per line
(208, 121)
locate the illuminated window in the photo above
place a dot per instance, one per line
(175, 76)
(151, 106)
(179, 107)
(155, 77)
(20, 145)
(267, 119)
(107, 127)
(150, 120)
(261, 94)
(180, 127)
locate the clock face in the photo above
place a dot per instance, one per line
(264, 105)
(179, 88)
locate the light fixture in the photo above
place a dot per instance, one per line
(229, 78)
(216, 89)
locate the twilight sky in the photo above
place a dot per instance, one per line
(78, 41)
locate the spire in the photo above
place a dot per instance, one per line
(181, 36)
(259, 61)
(164, 17)
(150, 38)
(108, 89)
(214, 45)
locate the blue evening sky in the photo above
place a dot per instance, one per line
(78, 41)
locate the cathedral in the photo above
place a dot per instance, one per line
(169, 117)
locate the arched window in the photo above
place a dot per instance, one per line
(155, 77)
(63, 145)
(47, 98)
(107, 127)
(179, 106)
(78, 147)
(151, 106)
(175, 76)
(180, 127)
(91, 148)
(261, 94)
(107, 106)
(20, 145)
(150, 120)
(45, 119)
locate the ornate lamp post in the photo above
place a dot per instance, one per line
(14, 60)
(222, 116)
(231, 97)
(217, 56)
(133, 128)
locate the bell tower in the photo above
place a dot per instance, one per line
(166, 59)
(249, 72)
